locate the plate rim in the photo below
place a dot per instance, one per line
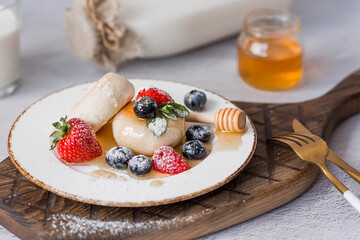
(126, 204)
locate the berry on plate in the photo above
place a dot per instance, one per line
(195, 100)
(145, 107)
(167, 160)
(198, 132)
(118, 157)
(160, 96)
(75, 140)
(194, 149)
(140, 165)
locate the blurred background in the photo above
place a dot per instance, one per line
(329, 34)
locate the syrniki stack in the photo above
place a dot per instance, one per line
(130, 131)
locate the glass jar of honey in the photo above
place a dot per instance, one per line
(270, 56)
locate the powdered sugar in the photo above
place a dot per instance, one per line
(198, 132)
(159, 95)
(83, 228)
(166, 159)
(104, 84)
(118, 157)
(158, 126)
(140, 165)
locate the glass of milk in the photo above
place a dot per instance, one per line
(9, 45)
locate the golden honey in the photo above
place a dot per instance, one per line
(269, 54)
(225, 142)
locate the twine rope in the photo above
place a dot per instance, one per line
(107, 33)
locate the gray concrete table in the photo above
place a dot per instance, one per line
(331, 35)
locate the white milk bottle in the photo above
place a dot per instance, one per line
(9, 45)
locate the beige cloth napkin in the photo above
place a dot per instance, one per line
(85, 38)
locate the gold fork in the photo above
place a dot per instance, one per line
(312, 148)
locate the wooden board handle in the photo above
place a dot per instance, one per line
(225, 119)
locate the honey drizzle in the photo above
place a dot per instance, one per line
(156, 183)
(224, 142)
(228, 141)
(103, 173)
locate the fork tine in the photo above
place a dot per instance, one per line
(287, 140)
(304, 136)
(290, 135)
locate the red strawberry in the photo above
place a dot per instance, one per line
(160, 96)
(75, 140)
(167, 160)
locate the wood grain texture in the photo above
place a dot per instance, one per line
(274, 177)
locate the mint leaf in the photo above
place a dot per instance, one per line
(157, 125)
(169, 112)
(179, 109)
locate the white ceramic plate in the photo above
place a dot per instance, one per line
(29, 142)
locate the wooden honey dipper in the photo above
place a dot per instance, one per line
(225, 119)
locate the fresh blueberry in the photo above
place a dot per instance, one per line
(145, 107)
(198, 132)
(195, 100)
(194, 149)
(118, 157)
(140, 165)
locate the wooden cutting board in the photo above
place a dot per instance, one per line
(274, 177)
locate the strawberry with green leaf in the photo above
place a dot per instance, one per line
(75, 140)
